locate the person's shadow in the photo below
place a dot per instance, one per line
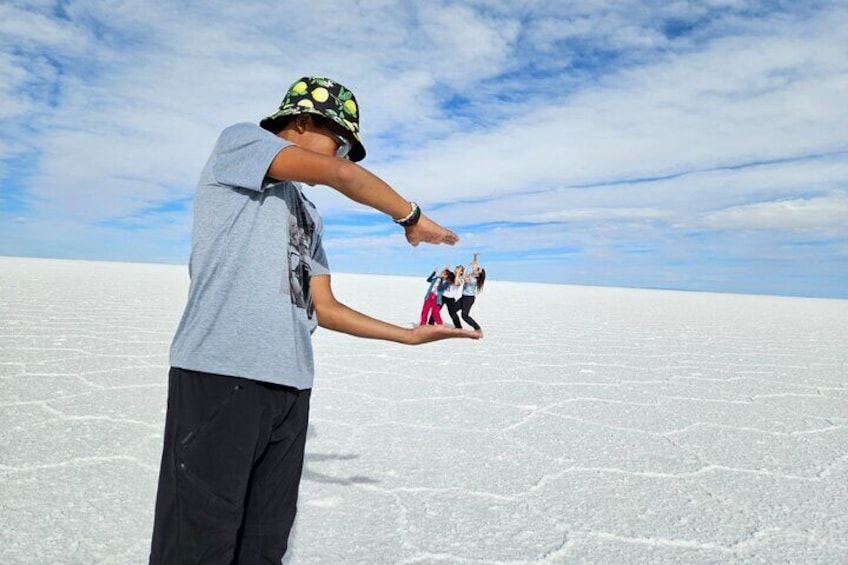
(310, 475)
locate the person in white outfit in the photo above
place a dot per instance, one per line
(453, 294)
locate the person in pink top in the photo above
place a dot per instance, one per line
(433, 298)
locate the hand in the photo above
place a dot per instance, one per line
(427, 334)
(428, 231)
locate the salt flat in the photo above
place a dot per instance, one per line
(591, 425)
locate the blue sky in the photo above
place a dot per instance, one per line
(686, 145)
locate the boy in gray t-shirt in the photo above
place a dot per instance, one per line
(241, 359)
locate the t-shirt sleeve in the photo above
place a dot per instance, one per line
(243, 154)
(319, 265)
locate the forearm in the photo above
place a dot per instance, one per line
(364, 187)
(360, 185)
(341, 318)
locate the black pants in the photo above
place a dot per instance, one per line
(453, 310)
(231, 467)
(465, 305)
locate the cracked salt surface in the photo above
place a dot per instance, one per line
(591, 425)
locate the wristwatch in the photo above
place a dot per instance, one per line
(412, 218)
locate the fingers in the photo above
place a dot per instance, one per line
(445, 236)
(428, 231)
(471, 334)
(450, 238)
(429, 334)
(465, 334)
(459, 333)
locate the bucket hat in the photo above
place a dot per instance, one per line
(323, 97)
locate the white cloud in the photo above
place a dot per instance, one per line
(739, 100)
(676, 201)
(468, 46)
(11, 77)
(820, 212)
(593, 214)
(26, 27)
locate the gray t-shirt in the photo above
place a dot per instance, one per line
(470, 286)
(255, 244)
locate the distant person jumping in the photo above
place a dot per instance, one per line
(473, 282)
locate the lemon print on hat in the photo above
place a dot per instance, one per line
(299, 87)
(320, 94)
(349, 107)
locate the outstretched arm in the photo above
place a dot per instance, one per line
(333, 315)
(360, 185)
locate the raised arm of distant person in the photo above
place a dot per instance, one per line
(459, 276)
(475, 264)
(360, 185)
(336, 316)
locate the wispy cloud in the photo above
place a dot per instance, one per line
(643, 143)
(822, 213)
